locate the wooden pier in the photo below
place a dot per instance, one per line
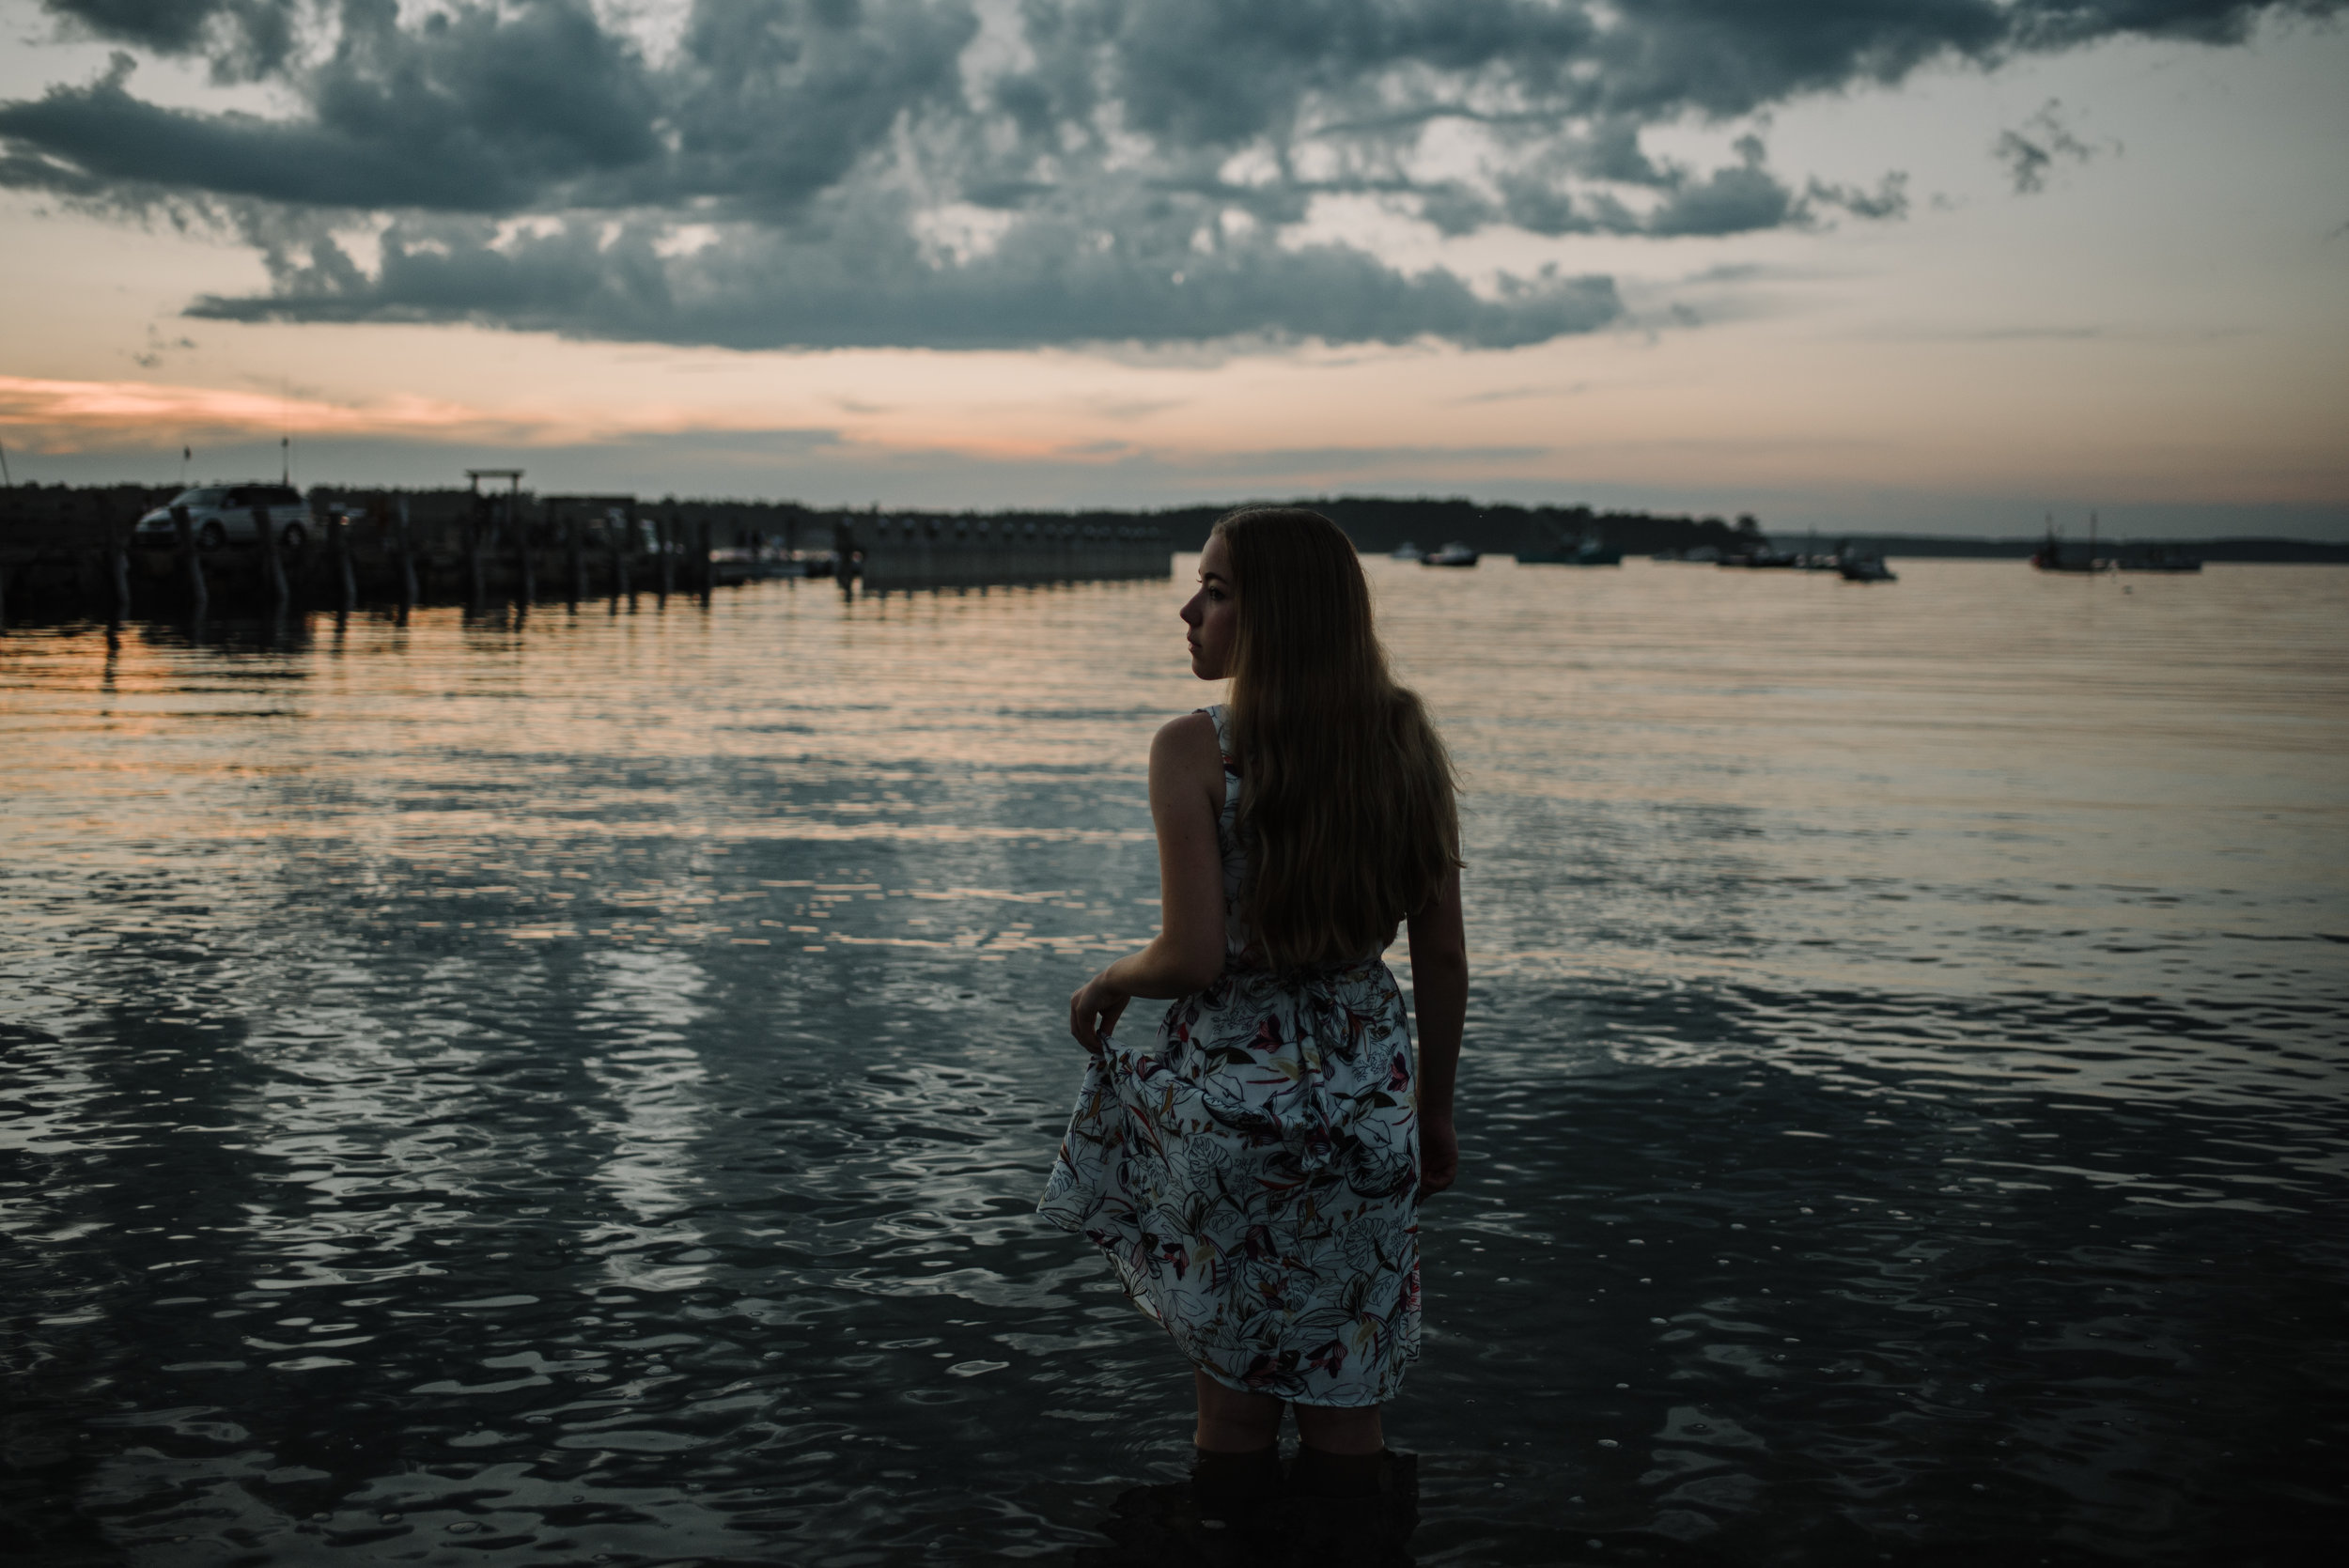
(887, 554)
(68, 552)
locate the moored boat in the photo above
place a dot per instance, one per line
(2161, 558)
(1587, 551)
(2051, 555)
(1453, 554)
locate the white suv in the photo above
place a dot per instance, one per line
(220, 513)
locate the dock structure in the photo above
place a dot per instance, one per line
(887, 554)
(67, 553)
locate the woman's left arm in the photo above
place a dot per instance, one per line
(1187, 954)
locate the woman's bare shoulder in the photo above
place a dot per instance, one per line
(1195, 728)
(1191, 738)
(1188, 747)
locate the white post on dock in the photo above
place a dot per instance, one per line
(338, 535)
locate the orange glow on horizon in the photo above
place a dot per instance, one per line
(64, 416)
(62, 411)
(74, 416)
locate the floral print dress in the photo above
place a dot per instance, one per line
(1253, 1171)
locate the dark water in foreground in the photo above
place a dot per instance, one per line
(576, 1094)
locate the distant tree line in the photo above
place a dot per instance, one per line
(1380, 524)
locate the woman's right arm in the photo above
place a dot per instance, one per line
(1187, 954)
(1439, 1002)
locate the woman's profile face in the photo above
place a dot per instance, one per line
(1213, 612)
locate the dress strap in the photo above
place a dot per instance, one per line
(1222, 728)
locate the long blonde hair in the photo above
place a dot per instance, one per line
(1348, 805)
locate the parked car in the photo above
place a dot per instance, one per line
(224, 513)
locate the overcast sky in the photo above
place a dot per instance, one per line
(1942, 264)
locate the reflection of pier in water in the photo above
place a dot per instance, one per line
(649, 1117)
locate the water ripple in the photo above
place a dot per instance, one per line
(576, 1092)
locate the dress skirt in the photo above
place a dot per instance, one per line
(1254, 1178)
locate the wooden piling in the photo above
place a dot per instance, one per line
(480, 568)
(273, 565)
(579, 557)
(338, 531)
(119, 569)
(619, 567)
(667, 530)
(191, 562)
(526, 570)
(705, 568)
(407, 563)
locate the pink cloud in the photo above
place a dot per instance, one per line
(77, 416)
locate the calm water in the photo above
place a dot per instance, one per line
(576, 1092)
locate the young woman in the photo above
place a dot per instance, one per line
(1253, 1172)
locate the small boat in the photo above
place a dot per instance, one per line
(1588, 551)
(1406, 550)
(1864, 569)
(2051, 557)
(2158, 558)
(1814, 559)
(1453, 554)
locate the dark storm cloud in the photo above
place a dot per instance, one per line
(481, 113)
(1049, 282)
(166, 25)
(173, 25)
(964, 172)
(245, 38)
